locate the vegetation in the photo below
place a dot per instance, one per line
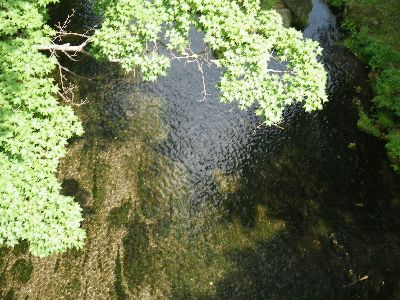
(35, 127)
(374, 36)
(336, 4)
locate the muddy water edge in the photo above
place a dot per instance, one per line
(195, 200)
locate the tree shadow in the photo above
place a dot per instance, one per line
(71, 187)
(344, 256)
(280, 268)
(341, 238)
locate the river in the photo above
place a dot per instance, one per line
(185, 198)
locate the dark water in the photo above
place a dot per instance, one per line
(194, 199)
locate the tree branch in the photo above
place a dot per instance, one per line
(65, 47)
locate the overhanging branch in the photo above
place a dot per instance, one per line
(65, 47)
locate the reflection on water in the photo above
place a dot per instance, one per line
(186, 199)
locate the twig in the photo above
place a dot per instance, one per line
(365, 277)
(277, 125)
(67, 92)
(199, 58)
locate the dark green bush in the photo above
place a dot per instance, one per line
(368, 39)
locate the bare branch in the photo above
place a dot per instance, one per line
(65, 48)
(204, 92)
(365, 277)
(67, 90)
(199, 58)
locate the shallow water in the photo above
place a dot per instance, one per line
(195, 199)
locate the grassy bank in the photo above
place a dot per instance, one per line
(374, 36)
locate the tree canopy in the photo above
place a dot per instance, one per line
(34, 129)
(35, 126)
(245, 38)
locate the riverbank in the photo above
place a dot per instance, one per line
(374, 37)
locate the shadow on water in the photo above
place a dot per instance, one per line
(332, 187)
(336, 233)
(71, 187)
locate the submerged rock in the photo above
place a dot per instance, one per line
(300, 10)
(286, 16)
(226, 183)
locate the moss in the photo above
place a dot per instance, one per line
(2, 262)
(300, 10)
(4, 251)
(367, 125)
(137, 258)
(226, 183)
(73, 287)
(393, 148)
(162, 256)
(22, 270)
(352, 146)
(3, 279)
(378, 17)
(10, 295)
(321, 229)
(119, 216)
(95, 190)
(3, 267)
(118, 286)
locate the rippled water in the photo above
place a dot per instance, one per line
(186, 198)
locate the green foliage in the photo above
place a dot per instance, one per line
(366, 124)
(393, 149)
(388, 91)
(245, 37)
(379, 55)
(374, 36)
(34, 129)
(336, 3)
